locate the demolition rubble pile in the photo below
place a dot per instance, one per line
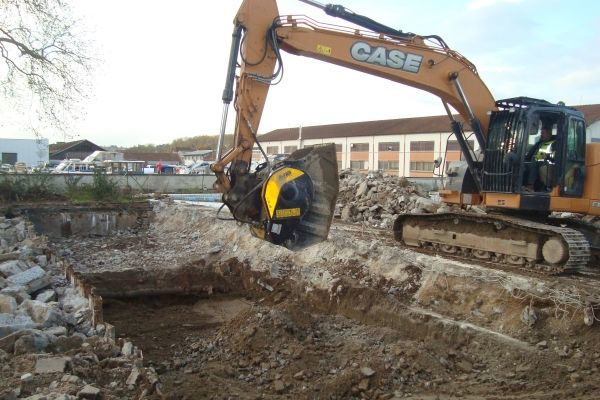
(48, 347)
(378, 199)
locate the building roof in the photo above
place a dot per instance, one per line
(402, 126)
(62, 146)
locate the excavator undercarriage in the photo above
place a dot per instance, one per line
(512, 242)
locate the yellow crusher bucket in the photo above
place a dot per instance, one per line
(299, 198)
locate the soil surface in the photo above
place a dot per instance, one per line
(357, 317)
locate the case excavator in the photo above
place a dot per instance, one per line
(521, 181)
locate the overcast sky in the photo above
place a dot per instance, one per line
(164, 63)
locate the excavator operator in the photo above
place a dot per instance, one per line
(541, 158)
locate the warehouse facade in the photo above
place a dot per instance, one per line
(403, 147)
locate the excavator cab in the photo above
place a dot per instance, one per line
(536, 149)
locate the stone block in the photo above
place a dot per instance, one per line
(13, 323)
(10, 268)
(45, 314)
(18, 292)
(32, 279)
(42, 260)
(34, 342)
(56, 331)
(51, 365)
(46, 296)
(89, 392)
(8, 304)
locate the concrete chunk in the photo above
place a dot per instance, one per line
(18, 292)
(13, 323)
(46, 296)
(51, 365)
(46, 315)
(10, 268)
(89, 392)
(8, 304)
(32, 279)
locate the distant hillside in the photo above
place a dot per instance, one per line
(183, 144)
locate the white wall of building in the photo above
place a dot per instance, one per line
(33, 152)
(593, 132)
(440, 140)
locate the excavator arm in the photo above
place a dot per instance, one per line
(298, 196)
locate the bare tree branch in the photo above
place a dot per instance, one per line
(46, 62)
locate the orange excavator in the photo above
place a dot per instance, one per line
(519, 178)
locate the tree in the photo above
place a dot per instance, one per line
(44, 66)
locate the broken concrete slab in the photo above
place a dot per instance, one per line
(56, 331)
(89, 392)
(45, 314)
(13, 323)
(46, 296)
(33, 342)
(19, 293)
(52, 365)
(32, 279)
(8, 304)
(10, 268)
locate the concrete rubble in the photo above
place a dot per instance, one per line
(48, 346)
(378, 199)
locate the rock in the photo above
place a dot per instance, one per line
(56, 331)
(14, 323)
(8, 304)
(32, 279)
(366, 371)
(51, 365)
(362, 190)
(70, 378)
(31, 343)
(363, 385)
(426, 204)
(46, 296)
(279, 386)
(542, 345)
(71, 301)
(127, 349)
(134, 376)
(529, 316)
(10, 268)
(42, 260)
(28, 377)
(464, 366)
(18, 292)
(89, 392)
(67, 343)
(44, 314)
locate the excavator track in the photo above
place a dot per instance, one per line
(512, 242)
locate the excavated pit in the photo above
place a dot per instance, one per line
(219, 314)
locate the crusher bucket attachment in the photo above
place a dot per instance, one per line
(294, 202)
(299, 198)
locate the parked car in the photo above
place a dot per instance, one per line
(6, 169)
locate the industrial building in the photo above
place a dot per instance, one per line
(32, 152)
(404, 147)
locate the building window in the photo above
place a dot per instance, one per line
(355, 147)
(389, 146)
(454, 146)
(338, 148)
(421, 146)
(359, 164)
(272, 149)
(421, 166)
(389, 165)
(339, 164)
(289, 149)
